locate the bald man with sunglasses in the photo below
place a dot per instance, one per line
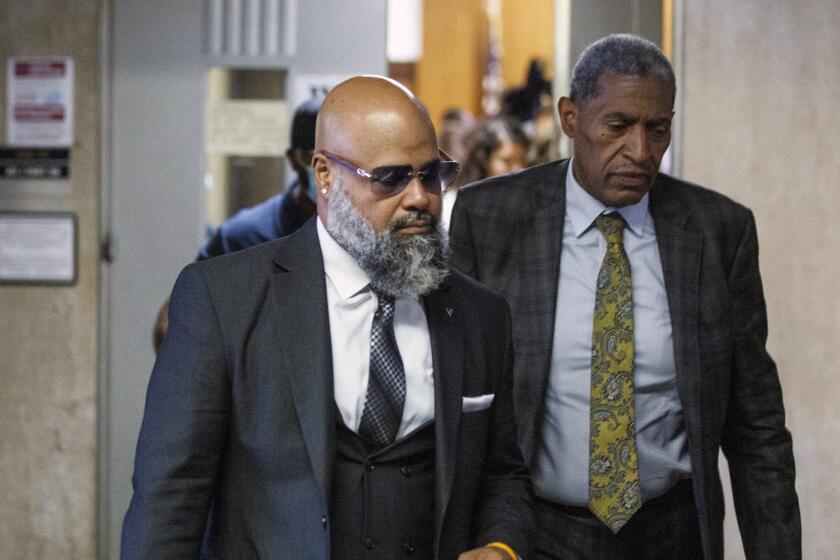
(339, 393)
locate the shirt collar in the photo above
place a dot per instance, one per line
(341, 269)
(582, 208)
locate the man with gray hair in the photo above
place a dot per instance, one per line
(639, 332)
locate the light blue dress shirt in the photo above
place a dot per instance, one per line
(562, 462)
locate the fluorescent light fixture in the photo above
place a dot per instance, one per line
(405, 30)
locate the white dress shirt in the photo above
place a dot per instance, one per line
(351, 306)
(447, 203)
(561, 472)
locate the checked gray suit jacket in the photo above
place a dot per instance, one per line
(507, 232)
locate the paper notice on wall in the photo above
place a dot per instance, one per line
(37, 247)
(247, 128)
(39, 101)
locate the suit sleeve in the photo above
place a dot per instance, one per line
(505, 510)
(755, 441)
(183, 433)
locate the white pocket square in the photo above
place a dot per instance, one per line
(474, 404)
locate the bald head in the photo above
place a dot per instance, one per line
(386, 218)
(365, 114)
(368, 122)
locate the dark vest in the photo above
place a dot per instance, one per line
(383, 500)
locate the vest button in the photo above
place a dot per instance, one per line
(370, 466)
(324, 522)
(369, 544)
(405, 470)
(407, 548)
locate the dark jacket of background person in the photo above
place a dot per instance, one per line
(271, 219)
(283, 213)
(507, 233)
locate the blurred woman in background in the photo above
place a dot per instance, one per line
(496, 146)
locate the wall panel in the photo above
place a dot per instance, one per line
(528, 32)
(455, 49)
(48, 373)
(454, 44)
(761, 125)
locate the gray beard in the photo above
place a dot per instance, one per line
(401, 267)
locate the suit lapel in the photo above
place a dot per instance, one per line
(303, 346)
(443, 318)
(681, 251)
(541, 244)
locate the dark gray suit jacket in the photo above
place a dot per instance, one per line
(507, 232)
(237, 443)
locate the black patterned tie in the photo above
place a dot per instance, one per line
(386, 385)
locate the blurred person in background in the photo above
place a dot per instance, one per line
(496, 146)
(544, 135)
(284, 212)
(523, 103)
(455, 125)
(277, 216)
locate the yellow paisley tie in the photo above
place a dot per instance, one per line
(614, 494)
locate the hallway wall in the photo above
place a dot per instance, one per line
(760, 81)
(761, 125)
(454, 60)
(48, 334)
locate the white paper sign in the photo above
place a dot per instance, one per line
(247, 128)
(37, 248)
(39, 101)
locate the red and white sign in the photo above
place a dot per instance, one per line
(39, 101)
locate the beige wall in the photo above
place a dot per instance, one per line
(761, 124)
(48, 334)
(455, 48)
(454, 42)
(527, 33)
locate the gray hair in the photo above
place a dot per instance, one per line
(623, 54)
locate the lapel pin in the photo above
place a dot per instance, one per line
(449, 311)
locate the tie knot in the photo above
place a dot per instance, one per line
(384, 306)
(612, 226)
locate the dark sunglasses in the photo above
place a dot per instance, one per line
(390, 180)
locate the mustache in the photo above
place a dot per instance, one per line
(644, 168)
(413, 218)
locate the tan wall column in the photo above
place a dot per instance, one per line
(761, 124)
(454, 45)
(455, 49)
(48, 335)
